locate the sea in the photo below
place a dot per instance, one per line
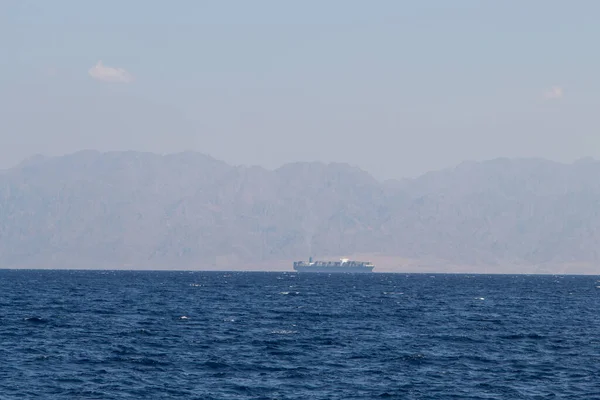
(252, 335)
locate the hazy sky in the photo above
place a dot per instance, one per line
(395, 87)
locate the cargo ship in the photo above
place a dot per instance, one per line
(344, 265)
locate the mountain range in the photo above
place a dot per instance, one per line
(187, 210)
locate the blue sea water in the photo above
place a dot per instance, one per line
(234, 335)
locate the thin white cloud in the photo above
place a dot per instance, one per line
(555, 92)
(104, 73)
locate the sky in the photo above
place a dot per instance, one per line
(395, 87)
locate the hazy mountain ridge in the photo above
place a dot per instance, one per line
(188, 210)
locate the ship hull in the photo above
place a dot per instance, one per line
(333, 269)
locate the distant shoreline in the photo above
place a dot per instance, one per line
(238, 270)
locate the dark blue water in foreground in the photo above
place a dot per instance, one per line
(163, 335)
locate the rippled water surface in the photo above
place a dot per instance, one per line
(216, 335)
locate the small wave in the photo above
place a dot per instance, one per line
(523, 336)
(416, 358)
(290, 293)
(459, 338)
(283, 332)
(36, 320)
(216, 365)
(145, 361)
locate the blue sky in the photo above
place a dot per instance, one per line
(395, 87)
